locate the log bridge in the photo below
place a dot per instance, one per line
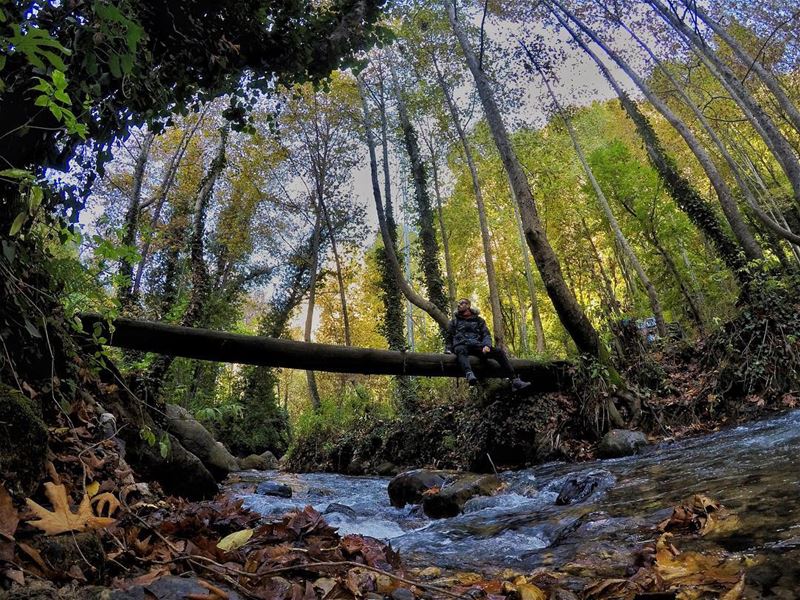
(221, 346)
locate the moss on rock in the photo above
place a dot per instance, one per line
(23, 443)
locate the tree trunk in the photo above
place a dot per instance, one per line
(751, 109)
(613, 304)
(429, 307)
(564, 301)
(695, 314)
(313, 260)
(339, 275)
(686, 197)
(161, 199)
(192, 316)
(221, 346)
(491, 277)
(652, 294)
(427, 235)
(451, 284)
(541, 346)
(740, 229)
(131, 227)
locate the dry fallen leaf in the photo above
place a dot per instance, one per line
(693, 568)
(528, 591)
(61, 519)
(235, 540)
(92, 489)
(9, 517)
(105, 503)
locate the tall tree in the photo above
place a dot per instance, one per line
(750, 107)
(430, 248)
(652, 294)
(681, 190)
(491, 277)
(567, 307)
(415, 298)
(727, 201)
(132, 220)
(768, 220)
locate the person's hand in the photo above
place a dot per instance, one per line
(486, 349)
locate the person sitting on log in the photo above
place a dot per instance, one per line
(467, 334)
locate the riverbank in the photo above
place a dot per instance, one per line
(731, 536)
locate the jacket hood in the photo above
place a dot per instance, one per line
(475, 312)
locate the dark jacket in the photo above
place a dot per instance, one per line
(470, 331)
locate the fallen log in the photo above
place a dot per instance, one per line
(221, 346)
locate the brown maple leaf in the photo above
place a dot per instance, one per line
(61, 519)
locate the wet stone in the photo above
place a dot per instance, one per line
(621, 442)
(578, 488)
(408, 487)
(271, 488)
(402, 594)
(343, 509)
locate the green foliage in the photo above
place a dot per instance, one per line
(55, 98)
(758, 352)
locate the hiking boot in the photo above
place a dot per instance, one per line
(518, 384)
(471, 379)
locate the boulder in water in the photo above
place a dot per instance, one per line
(197, 440)
(621, 442)
(273, 488)
(408, 487)
(582, 485)
(451, 498)
(386, 468)
(272, 462)
(254, 461)
(342, 509)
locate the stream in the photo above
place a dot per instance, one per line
(752, 470)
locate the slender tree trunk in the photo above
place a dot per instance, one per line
(627, 250)
(339, 275)
(541, 346)
(695, 314)
(606, 288)
(692, 277)
(197, 262)
(491, 277)
(429, 307)
(564, 301)
(316, 403)
(686, 197)
(161, 199)
(773, 225)
(740, 229)
(430, 248)
(393, 326)
(451, 284)
(751, 109)
(131, 227)
(523, 321)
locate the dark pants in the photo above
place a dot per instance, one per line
(463, 353)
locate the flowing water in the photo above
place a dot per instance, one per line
(753, 470)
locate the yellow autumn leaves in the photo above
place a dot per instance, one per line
(61, 519)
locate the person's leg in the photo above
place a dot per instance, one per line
(462, 355)
(500, 356)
